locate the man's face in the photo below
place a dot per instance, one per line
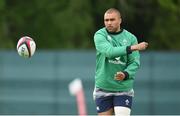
(112, 22)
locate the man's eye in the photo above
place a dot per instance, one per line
(112, 19)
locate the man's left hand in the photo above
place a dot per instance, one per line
(119, 76)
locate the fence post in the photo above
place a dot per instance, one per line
(76, 89)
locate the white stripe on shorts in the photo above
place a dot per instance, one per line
(103, 93)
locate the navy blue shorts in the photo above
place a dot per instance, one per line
(105, 103)
(106, 100)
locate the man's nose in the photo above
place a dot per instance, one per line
(109, 22)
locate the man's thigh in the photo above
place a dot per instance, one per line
(104, 104)
(123, 101)
(122, 105)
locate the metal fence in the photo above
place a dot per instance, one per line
(39, 85)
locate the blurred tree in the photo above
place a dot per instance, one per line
(138, 17)
(75, 24)
(52, 23)
(69, 24)
(166, 32)
(5, 41)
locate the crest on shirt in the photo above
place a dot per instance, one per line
(125, 42)
(109, 38)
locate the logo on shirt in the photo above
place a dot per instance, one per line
(117, 61)
(117, 58)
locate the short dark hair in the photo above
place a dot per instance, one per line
(111, 10)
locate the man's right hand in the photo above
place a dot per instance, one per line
(140, 46)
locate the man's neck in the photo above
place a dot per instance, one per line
(116, 32)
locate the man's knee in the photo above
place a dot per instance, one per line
(122, 111)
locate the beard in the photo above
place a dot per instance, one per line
(113, 29)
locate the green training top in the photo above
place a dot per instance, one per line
(112, 56)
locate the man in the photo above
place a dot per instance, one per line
(117, 61)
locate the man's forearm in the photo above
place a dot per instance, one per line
(140, 46)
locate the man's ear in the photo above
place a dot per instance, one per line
(120, 21)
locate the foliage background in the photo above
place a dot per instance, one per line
(70, 24)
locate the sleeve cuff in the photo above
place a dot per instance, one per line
(128, 50)
(126, 75)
